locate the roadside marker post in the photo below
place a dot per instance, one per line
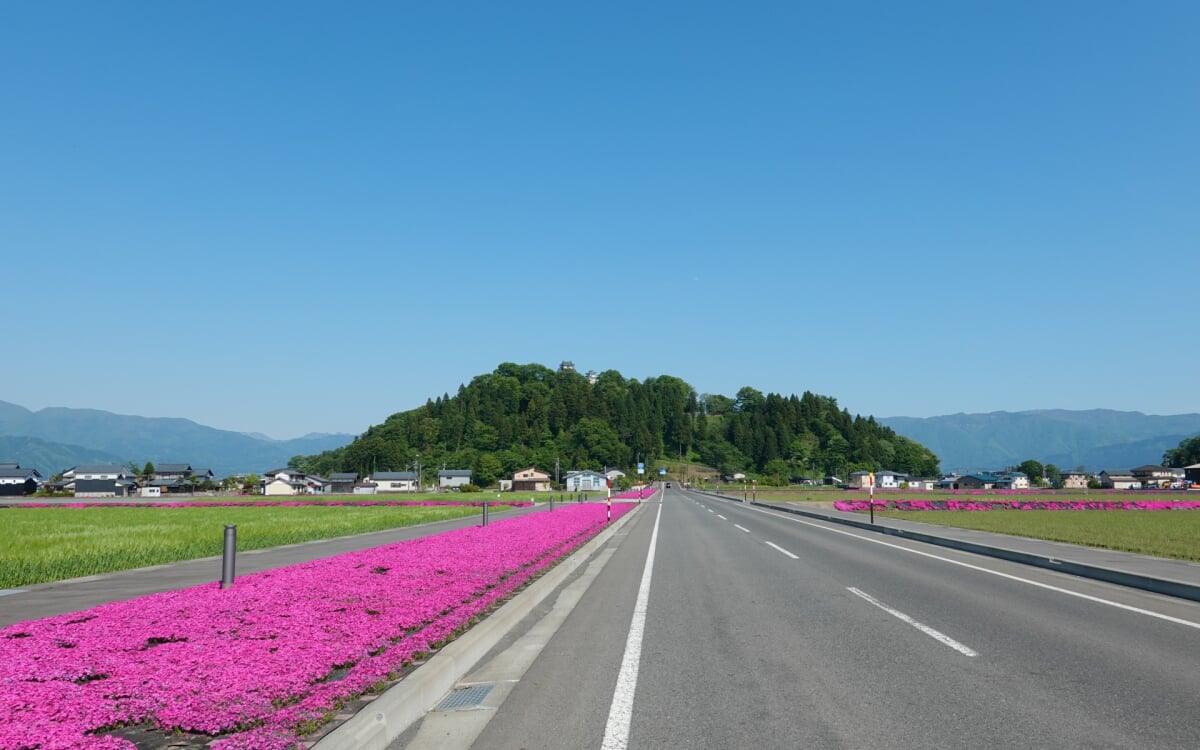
(608, 483)
(228, 555)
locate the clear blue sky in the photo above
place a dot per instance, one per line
(297, 217)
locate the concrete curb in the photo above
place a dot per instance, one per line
(380, 722)
(1165, 586)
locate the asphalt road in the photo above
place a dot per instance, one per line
(763, 630)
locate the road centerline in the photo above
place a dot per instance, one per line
(781, 549)
(934, 634)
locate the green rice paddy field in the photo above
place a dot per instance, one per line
(1161, 533)
(52, 544)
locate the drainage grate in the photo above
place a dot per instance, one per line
(466, 697)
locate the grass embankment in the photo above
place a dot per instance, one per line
(1161, 533)
(53, 544)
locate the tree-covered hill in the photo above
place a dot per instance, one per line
(530, 415)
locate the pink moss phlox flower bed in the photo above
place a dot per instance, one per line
(862, 505)
(269, 658)
(282, 504)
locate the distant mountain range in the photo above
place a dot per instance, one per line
(1095, 439)
(57, 438)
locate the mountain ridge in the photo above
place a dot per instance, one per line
(1095, 439)
(68, 436)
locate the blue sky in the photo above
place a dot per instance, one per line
(303, 217)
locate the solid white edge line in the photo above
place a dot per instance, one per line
(1009, 576)
(743, 528)
(723, 518)
(781, 549)
(937, 636)
(620, 713)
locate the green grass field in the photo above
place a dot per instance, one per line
(53, 544)
(1161, 533)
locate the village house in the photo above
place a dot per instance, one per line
(283, 482)
(1153, 476)
(584, 481)
(1075, 480)
(453, 478)
(15, 481)
(342, 482)
(530, 480)
(394, 481)
(100, 480)
(1119, 479)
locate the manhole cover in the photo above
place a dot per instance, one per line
(466, 697)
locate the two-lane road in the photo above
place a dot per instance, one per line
(763, 630)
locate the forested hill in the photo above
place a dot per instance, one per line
(530, 415)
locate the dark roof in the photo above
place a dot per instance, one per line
(10, 466)
(454, 473)
(172, 468)
(17, 473)
(344, 476)
(1149, 468)
(394, 475)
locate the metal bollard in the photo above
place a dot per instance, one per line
(228, 556)
(552, 503)
(485, 512)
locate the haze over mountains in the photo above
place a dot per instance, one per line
(57, 438)
(1095, 439)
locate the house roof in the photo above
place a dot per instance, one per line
(1118, 473)
(1149, 468)
(392, 476)
(172, 468)
(100, 469)
(10, 466)
(454, 473)
(18, 473)
(344, 476)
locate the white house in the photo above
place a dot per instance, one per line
(17, 481)
(584, 481)
(291, 482)
(394, 481)
(100, 480)
(450, 478)
(1117, 479)
(1020, 480)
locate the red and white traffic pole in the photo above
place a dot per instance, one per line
(871, 502)
(609, 501)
